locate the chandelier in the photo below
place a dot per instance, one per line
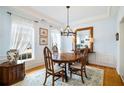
(67, 31)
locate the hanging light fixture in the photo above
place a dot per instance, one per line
(67, 31)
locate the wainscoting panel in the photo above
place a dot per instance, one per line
(101, 59)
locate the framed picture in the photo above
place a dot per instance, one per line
(43, 32)
(43, 41)
(43, 36)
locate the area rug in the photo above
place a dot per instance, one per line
(95, 78)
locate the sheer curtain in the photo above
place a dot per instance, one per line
(56, 38)
(21, 34)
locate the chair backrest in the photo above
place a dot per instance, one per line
(55, 49)
(86, 51)
(48, 60)
(83, 59)
(77, 51)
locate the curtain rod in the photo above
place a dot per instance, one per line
(22, 17)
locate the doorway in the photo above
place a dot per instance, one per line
(121, 49)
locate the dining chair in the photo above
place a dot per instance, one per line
(55, 49)
(51, 69)
(81, 51)
(80, 66)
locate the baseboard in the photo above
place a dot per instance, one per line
(32, 64)
(117, 71)
(35, 68)
(103, 64)
(122, 77)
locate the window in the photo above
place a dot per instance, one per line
(56, 38)
(22, 34)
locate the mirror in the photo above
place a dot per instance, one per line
(84, 38)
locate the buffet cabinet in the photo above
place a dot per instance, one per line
(11, 73)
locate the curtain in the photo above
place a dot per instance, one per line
(21, 34)
(56, 38)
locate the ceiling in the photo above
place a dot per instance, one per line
(58, 14)
(77, 13)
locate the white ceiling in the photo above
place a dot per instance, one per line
(77, 13)
(56, 15)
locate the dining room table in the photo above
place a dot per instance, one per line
(65, 58)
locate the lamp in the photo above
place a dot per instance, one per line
(67, 31)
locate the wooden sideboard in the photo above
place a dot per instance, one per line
(11, 73)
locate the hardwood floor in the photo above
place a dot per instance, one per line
(34, 69)
(111, 78)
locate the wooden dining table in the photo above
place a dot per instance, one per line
(65, 58)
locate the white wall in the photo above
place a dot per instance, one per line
(104, 42)
(38, 49)
(5, 28)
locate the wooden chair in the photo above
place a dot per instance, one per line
(55, 49)
(82, 50)
(51, 69)
(80, 66)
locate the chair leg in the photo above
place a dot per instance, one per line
(70, 73)
(53, 81)
(59, 64)
(62, 76)
(45, 79)
(85, 72)
(82, 77)
(69, 66)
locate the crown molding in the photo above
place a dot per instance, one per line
(28, 11)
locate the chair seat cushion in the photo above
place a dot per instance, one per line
(57, 68)
(76, 66)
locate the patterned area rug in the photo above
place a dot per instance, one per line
(95, 78)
